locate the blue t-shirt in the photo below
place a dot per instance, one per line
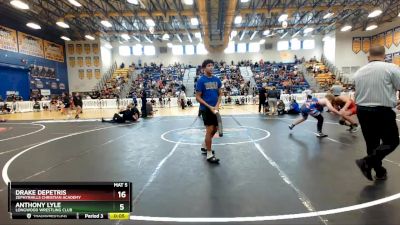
(209, 88)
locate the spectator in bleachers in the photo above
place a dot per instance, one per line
(294, 107)
(281, 107)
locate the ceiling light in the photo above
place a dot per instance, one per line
(137, 39)
(284, 24)
(197, 35)
(238, 19)
(328, 15)
(107, 45)
(284, 35)
(295, 34)
(165, 37)
(89, 37)
(283, 17)
(253, 35)
(135, 2)
(194, 21)
(262, 41)
(346, 28)
(62, 24)
(75, 3)
(371, 26)
(34, 26)
(170, 45)
(150, 22)
(242, 36)
(266, 32)
(19, 4)
(188, 2)
(375, 13)
(308, 30)
(244, 1)
(65, 38)
(190, 38)
(106, 23)
(234, 33)
(151, 29)
(125, 37)
(326, 38)
(179, 38)
(148, 39)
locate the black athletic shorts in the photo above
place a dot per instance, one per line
(209, 118)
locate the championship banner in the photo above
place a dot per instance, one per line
(374, 41)
(89, 74)
(88, 61)
(8, 39)
(79, 49)
(389, 58)
(30, 45)
(71, 49)
(396, 58)
(96, 61)
(356, 46)
(389, 38)
(72, 62)
(81, 74)
(96, 49)
(396, 36)
(80, 61)
(53, 51)
(381, 39)
(97, 74)
(87, 48)
(366, 44)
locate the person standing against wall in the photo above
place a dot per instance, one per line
(376, 85)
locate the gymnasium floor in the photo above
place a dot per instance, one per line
(267, 175)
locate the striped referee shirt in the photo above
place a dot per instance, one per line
(376, 84)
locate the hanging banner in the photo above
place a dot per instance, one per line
(8, 39)
(87, 49)
(389, 58)
(396, 36)
(30, 45)
(80, 61)
(81, 74)
(381, 39)
(53, 51)
(96, 49)
(88, 61)
(366, 44)
(396, 58)
(71, 49)
(96, 61)
(388, 38)
(356, 46)
(79, 49)
(72, 62)
(89, 74)
(97, 74)
(374, 40)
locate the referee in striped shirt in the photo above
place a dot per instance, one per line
(376, 86)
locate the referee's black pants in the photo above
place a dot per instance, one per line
(379, 127)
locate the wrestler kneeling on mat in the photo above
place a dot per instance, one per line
(131, 114)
